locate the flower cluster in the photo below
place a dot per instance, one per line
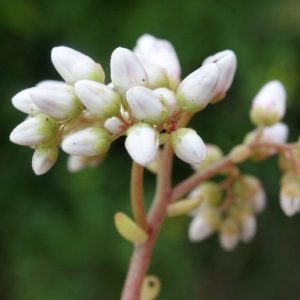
(230, 207)
(145, 100)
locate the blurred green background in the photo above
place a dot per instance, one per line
(57, 234)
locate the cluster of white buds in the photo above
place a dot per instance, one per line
(268, 109)
(145, 100)
(233, 218)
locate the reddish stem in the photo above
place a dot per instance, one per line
(137, 196)
(140, 260)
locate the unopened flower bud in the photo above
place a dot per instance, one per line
(286, 162)
(276, 134)
(268, 106)
(126, 70)
(239, 153)
(76, 163)
(249, 187)
(163, 138)
(182, 207)
(157, 76)
(290, 194)
(196, 90)
(142, 143)
(229, 234)
(98, 98)
(188, 145)
(204, 224)
(213, 154)
(146, 105)
(87, 142)
(150, 288)
(170, 99)
(57, 100)
(226, 61)
(51, 83)
(248, 228)
(44, 158)
(153, 166)
(73, 65)
(129, 230)
(161, 54)
(39, 129)
(113, 125)
(23, 102)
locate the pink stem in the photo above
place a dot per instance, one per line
(141, 257)
(137, 195)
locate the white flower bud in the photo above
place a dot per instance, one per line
(289, 205)
(204, 223)
(40, 129)
(259, 200)
(170, 98)
(57, 100)
(126, 70)
(213, 153)
(200, 229)
(188, 145)
(290, 197)
(113, 125)
(248, 228)
(146, 105)
(73, 65)
(226, 61)
(142, 143)
(196, 90)
(87, 142)
(77, 163)
(278, 133)
(23, 102)
(159, 53)
(50, 83)
(268, 106)
(43, 159)
(229, 234)
(98, 98)
(157, 77)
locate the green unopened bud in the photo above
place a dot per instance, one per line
(285, 161)
(249, 188)
(129, 230)
(150, 288)
(211, 192)
(163, 138)
(182, 207)
(239, 153)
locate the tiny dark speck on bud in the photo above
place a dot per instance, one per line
(151, 283)
(47, 119)
(143, 79)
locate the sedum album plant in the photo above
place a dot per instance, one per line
(147, 102)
